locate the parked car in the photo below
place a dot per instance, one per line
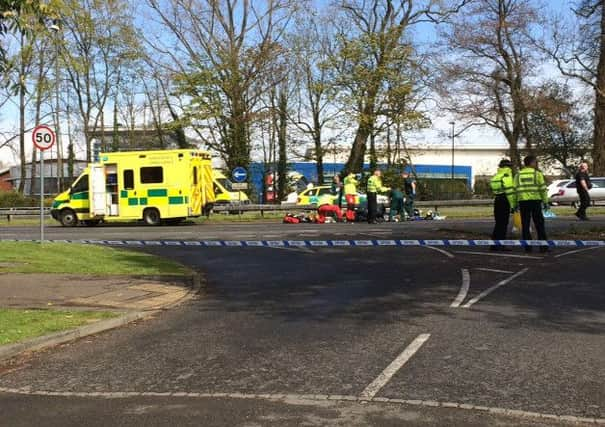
(554, 187)
(312, 196)
(567, 193)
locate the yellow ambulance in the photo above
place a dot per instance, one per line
(153, 186)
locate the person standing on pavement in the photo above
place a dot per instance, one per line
(350, 189)
(503, 188)
(583, 185)
(409, 187)
(336, 190)
(531, 196)
(396, 207)
(374, 187)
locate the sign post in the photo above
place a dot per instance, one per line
(43, 138)
(239, 175)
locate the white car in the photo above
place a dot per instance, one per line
(567, 193)
(554, 187)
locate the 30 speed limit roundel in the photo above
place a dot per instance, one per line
(43, 137)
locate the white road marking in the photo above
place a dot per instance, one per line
(466, 283)
(493, 288)
(577, 251)
(386, 375)
(297, 398)
(499, 255)
(493, 270)
(443, 251)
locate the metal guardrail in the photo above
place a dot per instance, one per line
(235, 208)
(22, 211)
(436, 204)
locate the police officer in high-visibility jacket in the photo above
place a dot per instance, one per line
(374, 187)
(350, 189)
(503, 188)
(531, 196)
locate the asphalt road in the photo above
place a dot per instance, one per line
(286, 336)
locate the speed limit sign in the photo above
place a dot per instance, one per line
(43, 137)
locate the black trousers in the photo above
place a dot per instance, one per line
(372, 207)
(584, 203)
(531, 210)
(501, 217)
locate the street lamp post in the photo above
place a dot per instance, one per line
(55, 28)
(453, 138)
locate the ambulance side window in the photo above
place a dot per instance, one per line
(152, 175)
(81, 185)
(129, 179)
(195, 175)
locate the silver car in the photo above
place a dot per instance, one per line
(567, 194)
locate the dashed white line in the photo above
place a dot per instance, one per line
(576, 251)
(466, 283)
(443, 251)
(493, 288)
(386, 375)
(499, 255)
(493, 270)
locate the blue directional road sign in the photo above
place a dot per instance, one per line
(239, 174)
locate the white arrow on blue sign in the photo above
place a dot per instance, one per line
(239, 174)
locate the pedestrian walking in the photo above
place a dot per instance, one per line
(503, 188)
(531, 196)
(336, 190)
(583, 185)
(396, 207)
(350, 190)
(409, 187)
(374, 187)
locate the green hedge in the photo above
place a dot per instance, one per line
(443, 189)
(13, 199)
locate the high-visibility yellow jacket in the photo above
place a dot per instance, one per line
(350, 184)
(503, 183)
(375, 185)
(530, 185)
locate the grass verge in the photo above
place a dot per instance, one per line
(18, 325)
(71, 258)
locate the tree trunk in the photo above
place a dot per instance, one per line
(115, 139)
(38, 107)
(373, 156)
(598, 151)
(22, 159)
(71, 156)
(282, 164)
(319, 155)
(364, 130)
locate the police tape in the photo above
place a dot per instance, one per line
(330, 243)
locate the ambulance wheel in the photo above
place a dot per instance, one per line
(151, 216)
(69, 218)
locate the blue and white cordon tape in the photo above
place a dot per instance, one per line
(330, 243)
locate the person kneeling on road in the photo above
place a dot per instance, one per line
(503, 187)
(531, 196)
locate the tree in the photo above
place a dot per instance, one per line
(97, 42)
(222, 54)
(579, 51)
(485, 78)
(316, 108)
(371, 47)
(559, 128)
